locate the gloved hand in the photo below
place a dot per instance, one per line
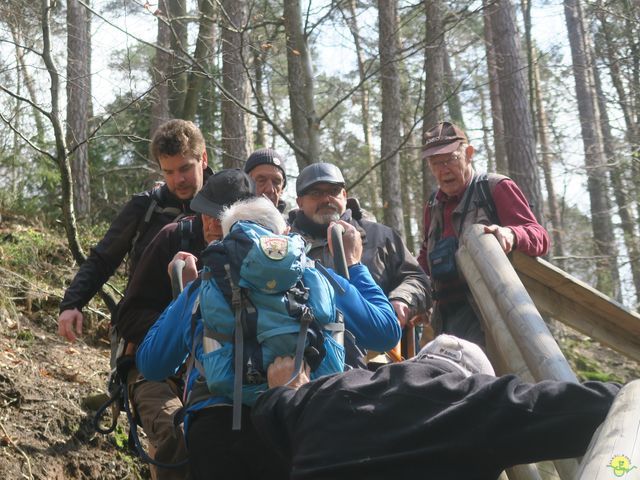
(123, 365)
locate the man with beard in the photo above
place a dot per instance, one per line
(322, 199)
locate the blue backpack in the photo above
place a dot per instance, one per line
(260, 298)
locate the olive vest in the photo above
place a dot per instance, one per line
(476, 213)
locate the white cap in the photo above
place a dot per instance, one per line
(464, 355)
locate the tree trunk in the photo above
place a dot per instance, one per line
(494, 92)
(304, 118)
(602, 225)
(159, 96)
(258, 81)
(177, 13)
(390, 130)
(526, 16)
(485, 131)
(78, 100)
(518, 128)
(547, 158)
(620, 189)
(202, 57)
(373, 180)
(235, 138)
(60, 155)
(609, 50)
(29, 82)
(451, 91)
(434, 94)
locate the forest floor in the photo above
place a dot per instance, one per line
(46, 418)
(48, 386)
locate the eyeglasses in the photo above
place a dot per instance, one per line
(453, 157)
(333, 191)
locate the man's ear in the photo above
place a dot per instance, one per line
(287, 230)
(205, 160)
(299, 202)
(469, 151)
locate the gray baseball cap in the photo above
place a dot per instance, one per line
(462, 354)
(318, 173)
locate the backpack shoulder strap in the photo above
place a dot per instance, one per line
(154, 208)
(143, 223)
(432, 200)
(486, 198)
(185, 230)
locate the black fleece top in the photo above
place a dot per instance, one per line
(424, 419)
(108, 254)
(149, 291)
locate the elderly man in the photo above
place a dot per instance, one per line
(440, 415)
(459, 202)
(322, 198)
(178, 147)
(148, 295)
(266, 167)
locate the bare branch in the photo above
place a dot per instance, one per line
(29, 142)
(25, 100)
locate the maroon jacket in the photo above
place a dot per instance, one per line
(149, 291)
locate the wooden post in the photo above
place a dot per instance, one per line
(502, 350)
(531, 335)
(615, 448)
(539, 349)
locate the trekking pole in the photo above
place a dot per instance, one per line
(176, 278)
(339, 258)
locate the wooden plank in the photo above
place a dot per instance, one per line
(610, 313)
(582, 318)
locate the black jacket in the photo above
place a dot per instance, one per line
(424, 419)
(108, 254)
(391, 264)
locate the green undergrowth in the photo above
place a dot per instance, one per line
(588, 368)
(36, 266)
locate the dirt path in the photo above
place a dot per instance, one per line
(44, 431)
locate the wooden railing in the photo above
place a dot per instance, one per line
(518, 339)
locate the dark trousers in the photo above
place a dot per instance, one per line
(216, 451)
(459, 319)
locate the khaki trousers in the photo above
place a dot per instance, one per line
(156, 404)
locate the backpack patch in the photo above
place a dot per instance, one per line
(275, 248)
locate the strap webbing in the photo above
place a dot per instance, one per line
(238, 307)
(305, 320)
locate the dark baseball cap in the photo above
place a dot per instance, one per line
(266, 156)
(223, 189)
(318, 173)
(443, 137)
